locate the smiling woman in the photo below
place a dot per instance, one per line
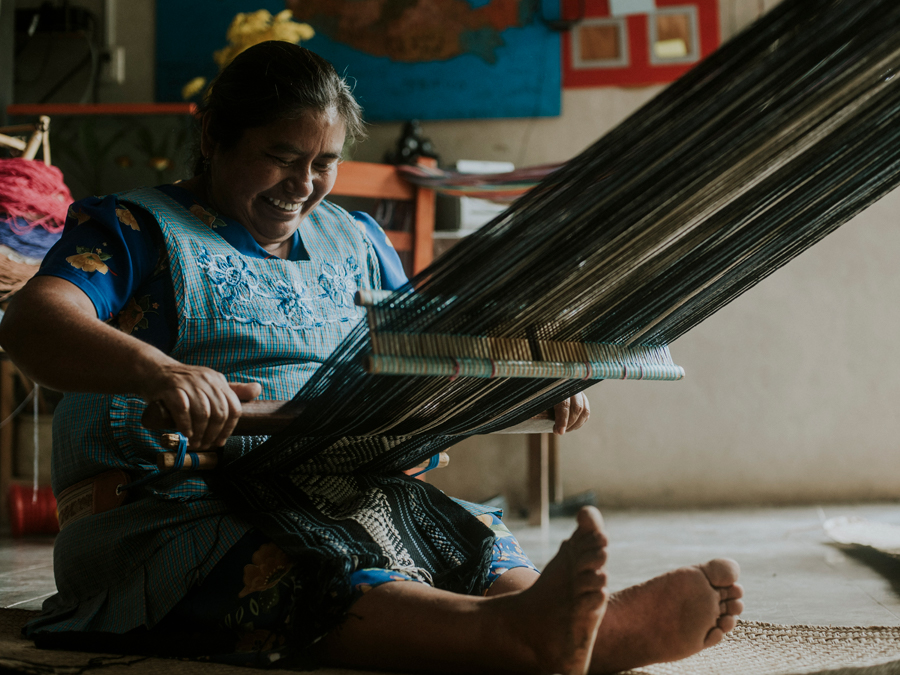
(238, 283)
(274, 176)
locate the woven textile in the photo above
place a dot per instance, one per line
(781, 136)
(752, 649)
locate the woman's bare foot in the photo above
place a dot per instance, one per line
(541, 624)
(669, 617)
(559, 614)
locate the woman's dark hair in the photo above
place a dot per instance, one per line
(271, 81)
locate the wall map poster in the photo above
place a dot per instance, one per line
(425, 59)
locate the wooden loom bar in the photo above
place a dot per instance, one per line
(264, 418)
(258, 418)
(377, 364)
(209, 460)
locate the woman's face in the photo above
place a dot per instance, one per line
(276, 175)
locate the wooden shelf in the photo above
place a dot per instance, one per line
(30, 109)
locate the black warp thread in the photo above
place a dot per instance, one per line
(785, 133)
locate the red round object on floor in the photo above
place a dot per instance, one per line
(28, 515)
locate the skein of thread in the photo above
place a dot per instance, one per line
(35, 192)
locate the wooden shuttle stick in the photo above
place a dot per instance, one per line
(264, 418)
(258, 418)
(210, 459)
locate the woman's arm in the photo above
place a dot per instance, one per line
(52, 333)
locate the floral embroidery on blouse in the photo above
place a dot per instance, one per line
(134, 316)
(89, 260)
(248, 297)
(293, 301)
(340, 283)
(235, 282)
(127, 218)
(208, 216)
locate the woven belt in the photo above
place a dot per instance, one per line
(93, 495)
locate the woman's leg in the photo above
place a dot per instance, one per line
(665, 619)
(547, 628)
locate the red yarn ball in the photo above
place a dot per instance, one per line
(35, 192)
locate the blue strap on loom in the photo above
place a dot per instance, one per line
(181, 453)
(432, 464)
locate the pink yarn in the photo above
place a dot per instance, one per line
(35, 192)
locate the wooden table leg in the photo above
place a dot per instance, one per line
(538, 479)
(554, 475)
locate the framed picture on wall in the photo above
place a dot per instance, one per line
(636, 42)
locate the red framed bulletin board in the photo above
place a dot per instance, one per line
(636, 42)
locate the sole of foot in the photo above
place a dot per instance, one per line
(669, 617)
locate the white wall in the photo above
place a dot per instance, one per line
(790, 390)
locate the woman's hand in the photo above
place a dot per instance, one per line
(51, 332)
(571, 414)
(199, 402)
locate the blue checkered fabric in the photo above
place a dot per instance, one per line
(265, 320)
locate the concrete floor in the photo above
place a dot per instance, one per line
(791, 574)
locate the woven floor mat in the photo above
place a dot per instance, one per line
(755, 648)
(751, 649)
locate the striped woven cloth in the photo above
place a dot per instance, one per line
(496, 187)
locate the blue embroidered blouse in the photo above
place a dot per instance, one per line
(117, 256)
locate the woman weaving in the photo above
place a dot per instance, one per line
(236, 284)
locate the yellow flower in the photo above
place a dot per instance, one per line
(193, 88)
(89, 262)
(79, 215)
(248, 29)
(203, 214)
(130, 317)
(127, 218)
(270, 563)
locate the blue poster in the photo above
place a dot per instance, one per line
(408, 59)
